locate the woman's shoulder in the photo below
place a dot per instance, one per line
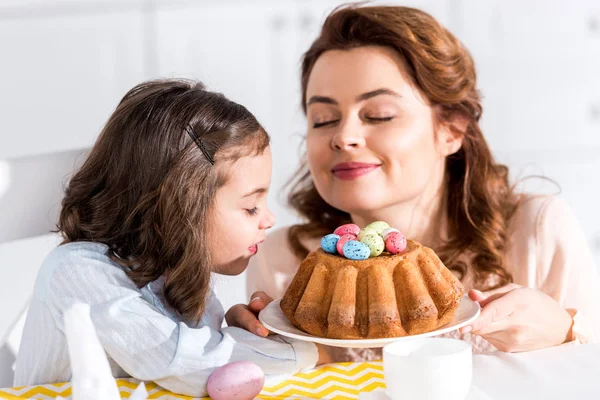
(536, 214)
(542, 226)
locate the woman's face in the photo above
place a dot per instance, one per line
(371, 141)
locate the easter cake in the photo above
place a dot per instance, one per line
(371, 283)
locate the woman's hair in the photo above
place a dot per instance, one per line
(479, 200)
(146, 189)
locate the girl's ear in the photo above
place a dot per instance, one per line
(450, 135)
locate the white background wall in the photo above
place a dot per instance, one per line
(64, 65)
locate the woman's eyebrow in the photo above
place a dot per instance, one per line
(377, 92)
(362, 97)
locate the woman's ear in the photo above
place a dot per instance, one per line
(450, 135)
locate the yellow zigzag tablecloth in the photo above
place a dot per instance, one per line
(334, 381)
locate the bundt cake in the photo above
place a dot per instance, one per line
(389, 295)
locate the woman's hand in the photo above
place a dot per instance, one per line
(515, 318)
(246, 316)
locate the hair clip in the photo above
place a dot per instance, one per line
(199, 143)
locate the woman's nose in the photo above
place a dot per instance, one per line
(347, 138)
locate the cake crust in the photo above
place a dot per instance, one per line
(386, 296)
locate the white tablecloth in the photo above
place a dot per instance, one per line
(564, 372)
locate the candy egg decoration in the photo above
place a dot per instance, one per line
(241, 380)
(387, 231)
(378, 226)
(364, 232)
(355, 250)
(350, 241)
(351, 229)
(329, 243)
(395, 243)
(375, 244)
(342, 241)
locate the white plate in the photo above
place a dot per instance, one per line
(274, 320)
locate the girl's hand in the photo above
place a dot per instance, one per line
(246, 316)
(324, 356)
(515, 318)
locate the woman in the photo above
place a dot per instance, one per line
(393, 108)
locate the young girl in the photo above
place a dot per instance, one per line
(174, 188)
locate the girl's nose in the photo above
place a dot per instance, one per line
(268, 220)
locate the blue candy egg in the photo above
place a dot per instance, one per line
(329, 242)
(355, 250)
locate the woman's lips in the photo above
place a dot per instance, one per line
(352, 170)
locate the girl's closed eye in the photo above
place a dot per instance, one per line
(252, 211)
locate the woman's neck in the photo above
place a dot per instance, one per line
(423, 218)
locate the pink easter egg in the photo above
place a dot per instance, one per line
(395, 242)
(240, 380)
(342, 241)
(347, 229)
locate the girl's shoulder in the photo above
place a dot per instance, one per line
(77, 262)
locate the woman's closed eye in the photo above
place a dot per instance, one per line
(379, 119)
(369, 119)
(325, 123)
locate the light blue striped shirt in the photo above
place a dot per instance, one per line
(142, 338)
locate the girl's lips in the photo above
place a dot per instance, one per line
(253, 249)
(352, 170)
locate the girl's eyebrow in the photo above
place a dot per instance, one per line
(256, 191)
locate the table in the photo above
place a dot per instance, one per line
(340, 381)
(563, 372)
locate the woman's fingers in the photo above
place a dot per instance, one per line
(495, 308)
(483, 298)
(258, 301)
(242, 317)
(476, 295)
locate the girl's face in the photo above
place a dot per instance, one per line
(241, 215)
(372, 142)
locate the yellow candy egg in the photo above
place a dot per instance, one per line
(375, 243)
(377, 226)
(365, 231)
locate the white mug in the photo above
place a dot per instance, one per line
(428, 369)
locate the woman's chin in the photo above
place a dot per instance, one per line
(358, 204)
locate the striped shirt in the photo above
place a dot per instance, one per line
(142, 338)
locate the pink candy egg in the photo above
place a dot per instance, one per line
(241, 380)
(342, 241)
(347, 229)
(395, 242)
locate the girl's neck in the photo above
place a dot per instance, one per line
(423, 218)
